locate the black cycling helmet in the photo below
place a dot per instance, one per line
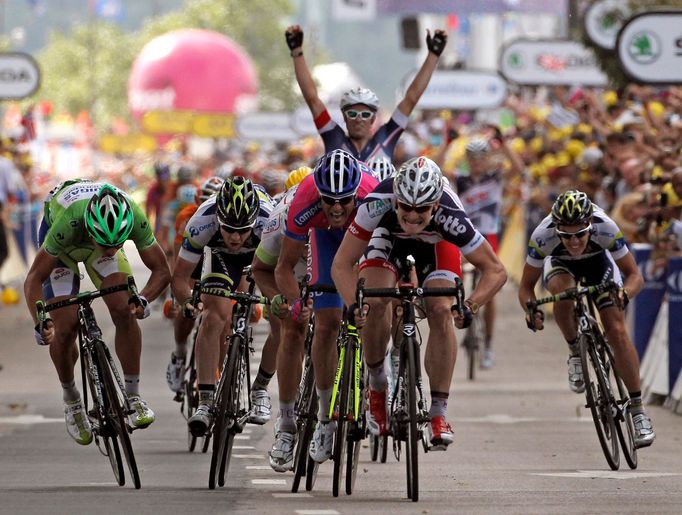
(572, 207)
(237, 203)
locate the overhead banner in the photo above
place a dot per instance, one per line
(649, 47)
(207, 125)
(461, 90)
(466, 7)
(603, 20)
(266, 126)
(19, 75)
(127, 144)
(550, 62)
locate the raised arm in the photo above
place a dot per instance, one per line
(435, 44)
(294, 37)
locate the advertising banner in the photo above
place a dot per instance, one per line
(462, 90)
(603, 20)
(647, 304)
(551, 62)
(466, 7)
(19, 75)
(266, 126)
(675, 315)
(649, 47)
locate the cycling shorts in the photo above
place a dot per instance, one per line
(592, 270)
(440, 260)
(323, 246)
(222, 272)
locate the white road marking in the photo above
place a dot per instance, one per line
(242, 437)
(269, 481)
(258, 467)
(605, 474)
(317, 512)
(30, 419)
(243, 447)
(501, 418)
(249, 456)
(289, 495)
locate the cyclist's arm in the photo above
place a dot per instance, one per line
(42, 266)
(155, 260)
(418, 84)
(177, 245)
(307, 85)
(264, 275)
(493, 274)
(529, 278)
(181, 280)
(634, 281)
(343, 268)
(284, 271)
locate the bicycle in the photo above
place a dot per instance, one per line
(408, 415)
(474, 336)
(606, 395)
(100, 377)
(233, 393)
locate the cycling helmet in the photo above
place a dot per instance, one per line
(296, 176)
(418, 182)
(572, 207)
(185, 174)
(359, 96)
(337, 174)
(186, 194)
(478, 147)
(109, 217)
(225, 170)
(382, 167)
(237, 203)
(209, 188)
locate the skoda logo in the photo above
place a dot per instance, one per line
(644, 47)
(515, 60)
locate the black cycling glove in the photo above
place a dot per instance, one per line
(294, 38)
(436, 43)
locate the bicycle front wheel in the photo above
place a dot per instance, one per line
(624, 425)
(357, 429)
(222, 434)
(413, 438)
(473, 341)
(191, 401)
(115, 405)
(599, 399)
(306, 409)
(344, 409)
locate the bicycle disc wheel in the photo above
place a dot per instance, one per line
(114, 405)
(413, 438)
(624, 425)
(599, 399)
(306, 407)
(338, 454)
(223, 399)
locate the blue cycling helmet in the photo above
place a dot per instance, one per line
(337, 174)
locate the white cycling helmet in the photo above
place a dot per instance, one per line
(359, 96)
(419, 182)
(478, 146)
(382, 167)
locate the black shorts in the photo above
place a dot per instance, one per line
(222, 272)
(589, 272)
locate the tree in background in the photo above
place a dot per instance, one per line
(89, 68)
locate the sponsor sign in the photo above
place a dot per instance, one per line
(649, 47)
(207, 125)
(603, 20)
(674, 315)
(354, 10)
(19, 75)
(127, 144)
(646, 305)
(266, 126)
(551, 62)
(461, 90)
(467, 7)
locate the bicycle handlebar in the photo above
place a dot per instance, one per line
(239, 296)
(86, 296)
(573, 293)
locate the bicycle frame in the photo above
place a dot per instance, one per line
(348, 341)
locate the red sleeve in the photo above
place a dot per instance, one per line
(322, 119)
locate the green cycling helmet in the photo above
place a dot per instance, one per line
(109, 217)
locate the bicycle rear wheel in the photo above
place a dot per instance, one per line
(342, 423)
(624, 425)
(114, 404)
(306, 409)
(599, 400)
(222, 434)
(413, 438)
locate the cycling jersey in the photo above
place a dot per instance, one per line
(183, 217)
(482, 200)
(450, 222)
(273, 231)
(203, 230)
(306, 212)
(605, 235)
(67, 236)
(381, 144)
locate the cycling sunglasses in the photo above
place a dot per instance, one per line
(419, 209)
(578, 234)
(353, 114)
(343, 201)
(232, 230)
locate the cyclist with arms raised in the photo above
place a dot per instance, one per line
(416, 214)
(89, 222)
(578, 241)
(359, 106)
(321, 209)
